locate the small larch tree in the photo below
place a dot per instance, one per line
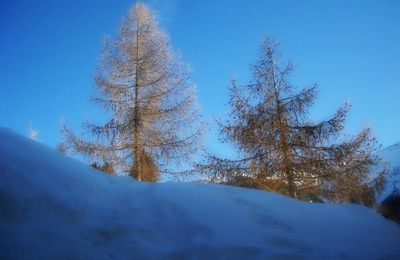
(32, 132)
(282, 149)
(151, 101)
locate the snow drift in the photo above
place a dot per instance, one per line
(53, 207)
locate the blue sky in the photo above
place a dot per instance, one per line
(49, 51)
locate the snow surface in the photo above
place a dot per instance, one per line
(53, 207)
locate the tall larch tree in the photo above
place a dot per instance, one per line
(146, 90)
(280, 146)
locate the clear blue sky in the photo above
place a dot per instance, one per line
(49, 52)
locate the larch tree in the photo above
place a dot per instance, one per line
(32, 132)
(281, 148)
(151, 101)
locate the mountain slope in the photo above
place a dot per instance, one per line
(391, 160)
(53, 207)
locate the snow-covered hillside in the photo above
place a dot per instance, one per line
(53, 207)
(391, 159)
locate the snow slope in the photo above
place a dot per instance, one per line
(391, 160)
(53, 207)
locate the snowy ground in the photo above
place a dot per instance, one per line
(53, 207)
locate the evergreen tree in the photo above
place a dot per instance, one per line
(146, 89)
(281, 148)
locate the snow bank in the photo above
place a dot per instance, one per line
(53, 207)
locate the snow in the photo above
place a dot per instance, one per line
(53, 207)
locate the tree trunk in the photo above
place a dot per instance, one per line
(283, 139)
(136, 142)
